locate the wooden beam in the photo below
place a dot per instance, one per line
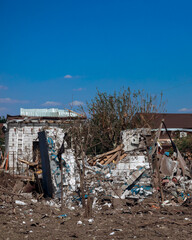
(112, 158)
(108, 153)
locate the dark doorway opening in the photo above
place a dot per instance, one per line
(36, 152)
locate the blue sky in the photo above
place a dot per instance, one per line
(53, 53)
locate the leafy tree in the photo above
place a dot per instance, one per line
(184, 144)
(2, 119)
(109, 114)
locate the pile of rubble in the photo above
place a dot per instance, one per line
(140, 172)
(177, 187)
(123, 173)
(131, 172)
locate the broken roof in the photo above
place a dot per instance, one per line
(45, 114)
(48, 112)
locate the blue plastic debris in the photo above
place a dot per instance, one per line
(62, 216)
(167, 154)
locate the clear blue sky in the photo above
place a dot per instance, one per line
(56, 52)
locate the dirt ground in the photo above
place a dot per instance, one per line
(36, 220)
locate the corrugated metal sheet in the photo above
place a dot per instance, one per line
(51, 112)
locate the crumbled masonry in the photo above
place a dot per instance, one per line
(133, 171)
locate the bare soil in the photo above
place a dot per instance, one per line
(36, 220)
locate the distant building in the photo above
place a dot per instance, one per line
(178, 125)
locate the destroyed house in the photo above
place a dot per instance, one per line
(21, 132)
(177, 125)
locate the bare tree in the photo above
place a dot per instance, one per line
(80, 133)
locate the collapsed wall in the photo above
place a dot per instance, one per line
(22, 140)
(129, 177)
(126, 173)
(69, 168)
(138, 181)
(22, 143)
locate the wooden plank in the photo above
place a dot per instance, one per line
(108, 153)
(123, 156)
(94, 163)
(112, 158)
(118, 157)
(106, 158)
(3, 163)
(101, 160)
(104, 161)
(33, 164)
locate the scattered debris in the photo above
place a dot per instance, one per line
(18, 202)
(135, 178)
(79, 223)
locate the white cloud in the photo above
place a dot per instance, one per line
(51, 104)
(3, 87)
(78, 89)
(185, 110)
(76, 103)
(68, 76)
(11, 101)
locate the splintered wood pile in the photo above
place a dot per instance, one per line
(113, 156)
